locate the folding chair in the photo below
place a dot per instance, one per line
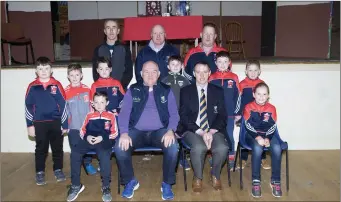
(243, 145)
(184, 149)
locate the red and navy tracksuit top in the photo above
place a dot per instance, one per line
(99, 124)
(230, 83)
(198, 54)
(246, 88)
(260, 120)
(45, 102)
(114, 90)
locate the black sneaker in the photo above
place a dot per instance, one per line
(276, 189)
(256, 189)
(74, 191)
(106, 194)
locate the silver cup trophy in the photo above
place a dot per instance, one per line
(169, 7)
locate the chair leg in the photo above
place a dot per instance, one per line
(118, 181)
(236, 157)
(32, 53)
(228, 169)
(26, 53)
(240, 170)
(230, 48)
(243, 51)
(287, 169)
(184, 170)
(3, 54)
(178, 161)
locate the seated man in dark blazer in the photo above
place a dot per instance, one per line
(203, 125)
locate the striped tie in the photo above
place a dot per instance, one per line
(203, 112)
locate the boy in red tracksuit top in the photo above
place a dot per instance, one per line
(46, 119)
(97, 133)
(107, 84)
(260, 123)
(247, 85)
(78, 103)
(230, 83)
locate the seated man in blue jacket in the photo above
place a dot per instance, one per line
(157, 50)
(148, 117)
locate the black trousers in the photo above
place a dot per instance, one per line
(48, 133)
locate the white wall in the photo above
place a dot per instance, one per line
(294, 3)
(242, 8)
(29, 6)
(307, 97)
(82, 10)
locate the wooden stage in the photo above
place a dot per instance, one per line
(314, 176)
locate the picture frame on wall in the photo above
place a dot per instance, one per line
(153, 8)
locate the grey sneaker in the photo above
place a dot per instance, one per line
(59, 175)
(276, 189)
(74, 191)
(256, 189)
(40, 178)
(106, 194)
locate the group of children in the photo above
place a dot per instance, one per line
(89, 116)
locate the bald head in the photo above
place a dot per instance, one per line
(158, 35)
(150, 73)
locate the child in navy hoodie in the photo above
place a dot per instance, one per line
(46, 119)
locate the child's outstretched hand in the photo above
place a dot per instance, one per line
(266, 142)
(31, 131)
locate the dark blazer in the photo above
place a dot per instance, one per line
(189, 109)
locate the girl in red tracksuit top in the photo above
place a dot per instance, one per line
(260, 123)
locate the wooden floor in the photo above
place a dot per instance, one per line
(314, 176)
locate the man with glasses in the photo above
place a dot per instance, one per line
(157, 50)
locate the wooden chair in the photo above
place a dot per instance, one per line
(14, 35)
(234, 35)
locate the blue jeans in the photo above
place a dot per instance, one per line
(142, 139)
(276, 157)
(229, 129)
(104, 154)
(245, 154)
(74, 138)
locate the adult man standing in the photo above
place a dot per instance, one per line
(206, 51)
(118, 53)
(157, 50)
(148, 117)
(203, 125)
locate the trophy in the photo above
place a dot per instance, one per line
(169, 7)
(187, 8)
